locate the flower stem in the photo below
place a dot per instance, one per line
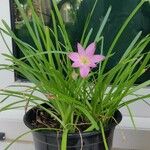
(64, 139)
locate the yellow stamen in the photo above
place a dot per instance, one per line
(84, 60)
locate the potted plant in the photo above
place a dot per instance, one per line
(80, 102)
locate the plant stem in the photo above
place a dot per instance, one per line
(64, 139)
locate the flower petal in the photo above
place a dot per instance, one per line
(98, 58)
(81, 50)
(74, 56)
(76, 64)
(92, 64)
(84, 71)
(90, 50)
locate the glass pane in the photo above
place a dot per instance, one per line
(75, 13)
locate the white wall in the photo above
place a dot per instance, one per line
(6, 77)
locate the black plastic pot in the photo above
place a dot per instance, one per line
(48, 140)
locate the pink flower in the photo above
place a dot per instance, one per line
(85, 59)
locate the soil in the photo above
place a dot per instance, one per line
(44, 120)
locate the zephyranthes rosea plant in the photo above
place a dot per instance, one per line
(64, 75)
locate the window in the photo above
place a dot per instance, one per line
(71, 13)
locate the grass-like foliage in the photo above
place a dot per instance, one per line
(71, 97)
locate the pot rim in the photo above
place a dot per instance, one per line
(118, 118)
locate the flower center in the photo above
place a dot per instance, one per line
(84, 60)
